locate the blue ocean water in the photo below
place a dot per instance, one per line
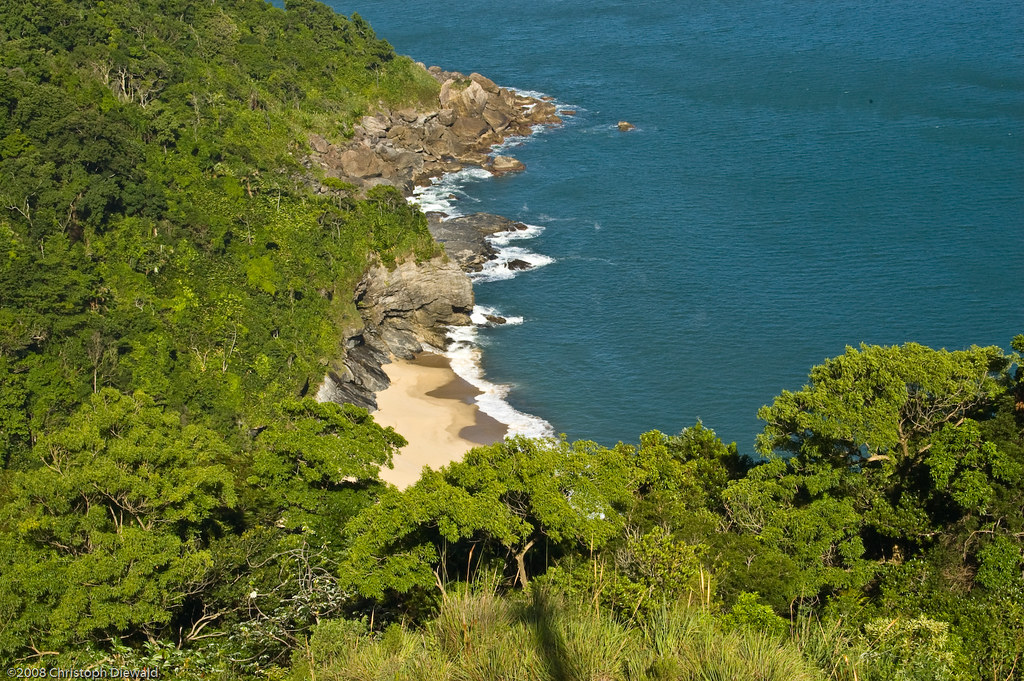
(804, 176)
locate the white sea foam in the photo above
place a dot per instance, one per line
(534, 94)
(504, 238)
(437, 195)
(463, 350)
(502, 268)
(481, 312)
(464, 355)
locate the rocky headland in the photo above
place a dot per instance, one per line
(409, 307)
(408, 147)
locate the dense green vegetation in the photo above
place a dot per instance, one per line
(171, 290)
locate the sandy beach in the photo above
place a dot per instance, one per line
(432, 407)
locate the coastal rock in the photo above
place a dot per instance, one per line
(401, 310)
(518, 264)
(409, 306)
(420, 298)
(470, 127)
(495, 319)
(319, 144)
(484, 82)
(465, 238)
(466, 98)
(374, 126)
(472, 115)
(626, 126)
(500, 165)
(357, 378)
(408, 115)
(495, 117)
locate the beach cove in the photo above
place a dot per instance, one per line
(414, 360)
(433, 408)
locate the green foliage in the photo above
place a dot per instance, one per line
(747, 613)
(918, 648)
(107, 534)
(309, 466)
(507, 497)
(170, 291)
(158, 239)
(538, 636)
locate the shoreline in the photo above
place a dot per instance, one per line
(439, 400)
(434, 409)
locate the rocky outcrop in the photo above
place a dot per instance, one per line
(499, 165)
(465, 238)
(412, 303)
(408, 147)
(406, 307)
(401, 310)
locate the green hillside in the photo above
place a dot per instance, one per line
(172, 290)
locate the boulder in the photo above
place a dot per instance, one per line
(407, 115)
(484, 82)
(626, 126)
(408, 160)
(465, 100)
(475, 158)
(469, 128)
(518, 264)
(500, 165)
(373, 126)
(361, 162)
(496, 118)
(319, 144)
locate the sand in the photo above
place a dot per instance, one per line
(432, 407)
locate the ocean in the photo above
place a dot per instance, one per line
(803, 176)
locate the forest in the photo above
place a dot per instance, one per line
(172, 289)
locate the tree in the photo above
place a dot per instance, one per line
(879, 403)
(508, 498)
(879, 413)
(106, 535)
(314, 460)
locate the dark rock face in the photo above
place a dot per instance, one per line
(401, 309)
(518, 265)
(465, 237)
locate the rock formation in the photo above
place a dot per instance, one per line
(409, 306)
(401, 309)
(465, 238)
(408, 147)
